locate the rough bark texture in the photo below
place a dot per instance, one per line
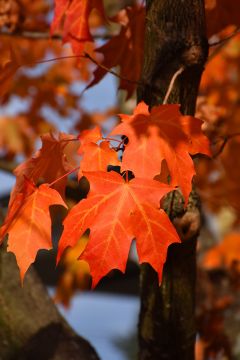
(30, 325)
(175, 37)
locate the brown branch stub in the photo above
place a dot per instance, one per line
(169, 90)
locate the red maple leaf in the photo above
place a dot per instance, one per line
(98, 157)
(124, 50)
(74, 15)
(28, 223)
(162, 134)
(89, 136)
(112, 211)
(48, 164)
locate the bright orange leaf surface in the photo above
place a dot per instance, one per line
(162, 134)
(98, 157)
(224, 254)
(48, 164)
(112, 211)
(75, 18)
(28, 223)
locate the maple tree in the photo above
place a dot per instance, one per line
(143, 168)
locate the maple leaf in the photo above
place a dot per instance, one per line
(162, 134)
(74, 14)
(111, 211)
(98, 157)
(14, 135)
(28, 223)
(75, 276)
(125, 49)
(89, 136)
(48, 164)
(223, 254)
(8, 67)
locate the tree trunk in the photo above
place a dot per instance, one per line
(30, 325)
(175, 37)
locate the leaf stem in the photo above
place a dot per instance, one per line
(87, 56)
(111, 139)
(65, 175)
(225, 140)
(221, 44)
(227, 38)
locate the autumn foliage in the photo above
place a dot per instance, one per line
(129, 168)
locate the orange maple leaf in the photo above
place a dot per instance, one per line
(48, 164)
(28, 223)
(162, 134)
(89, 136)
(98, 157)
(74, 14)
(224, 254)
(113, 210)
(8, 68)
(125, 49)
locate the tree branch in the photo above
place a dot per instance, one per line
(221, 44)
(46, 36)
(87, 56)
(226, 39)
(224, 143)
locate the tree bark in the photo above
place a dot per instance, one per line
(174, 38)
(30, 325)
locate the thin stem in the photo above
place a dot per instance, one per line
(225, 140)
(65, 175)
(54, 59)
(111, 139)
(169, 90)
(120, 144)
(46, 36)
(220, 150)
(86, 55)
(127, 176)
(221, 44)
(69, 140)
(227, 38)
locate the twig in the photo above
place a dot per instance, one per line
(65, 175)
(87, 56)
(227, 38)
(84, 56)
(53, 59)
(46, 36)
(170, 87)
(221, 44)
(225, 140)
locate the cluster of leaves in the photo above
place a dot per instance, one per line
(152, 158)
(116, 209)
(119, 206)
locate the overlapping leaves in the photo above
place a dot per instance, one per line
(162, 134)
(113, 211)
